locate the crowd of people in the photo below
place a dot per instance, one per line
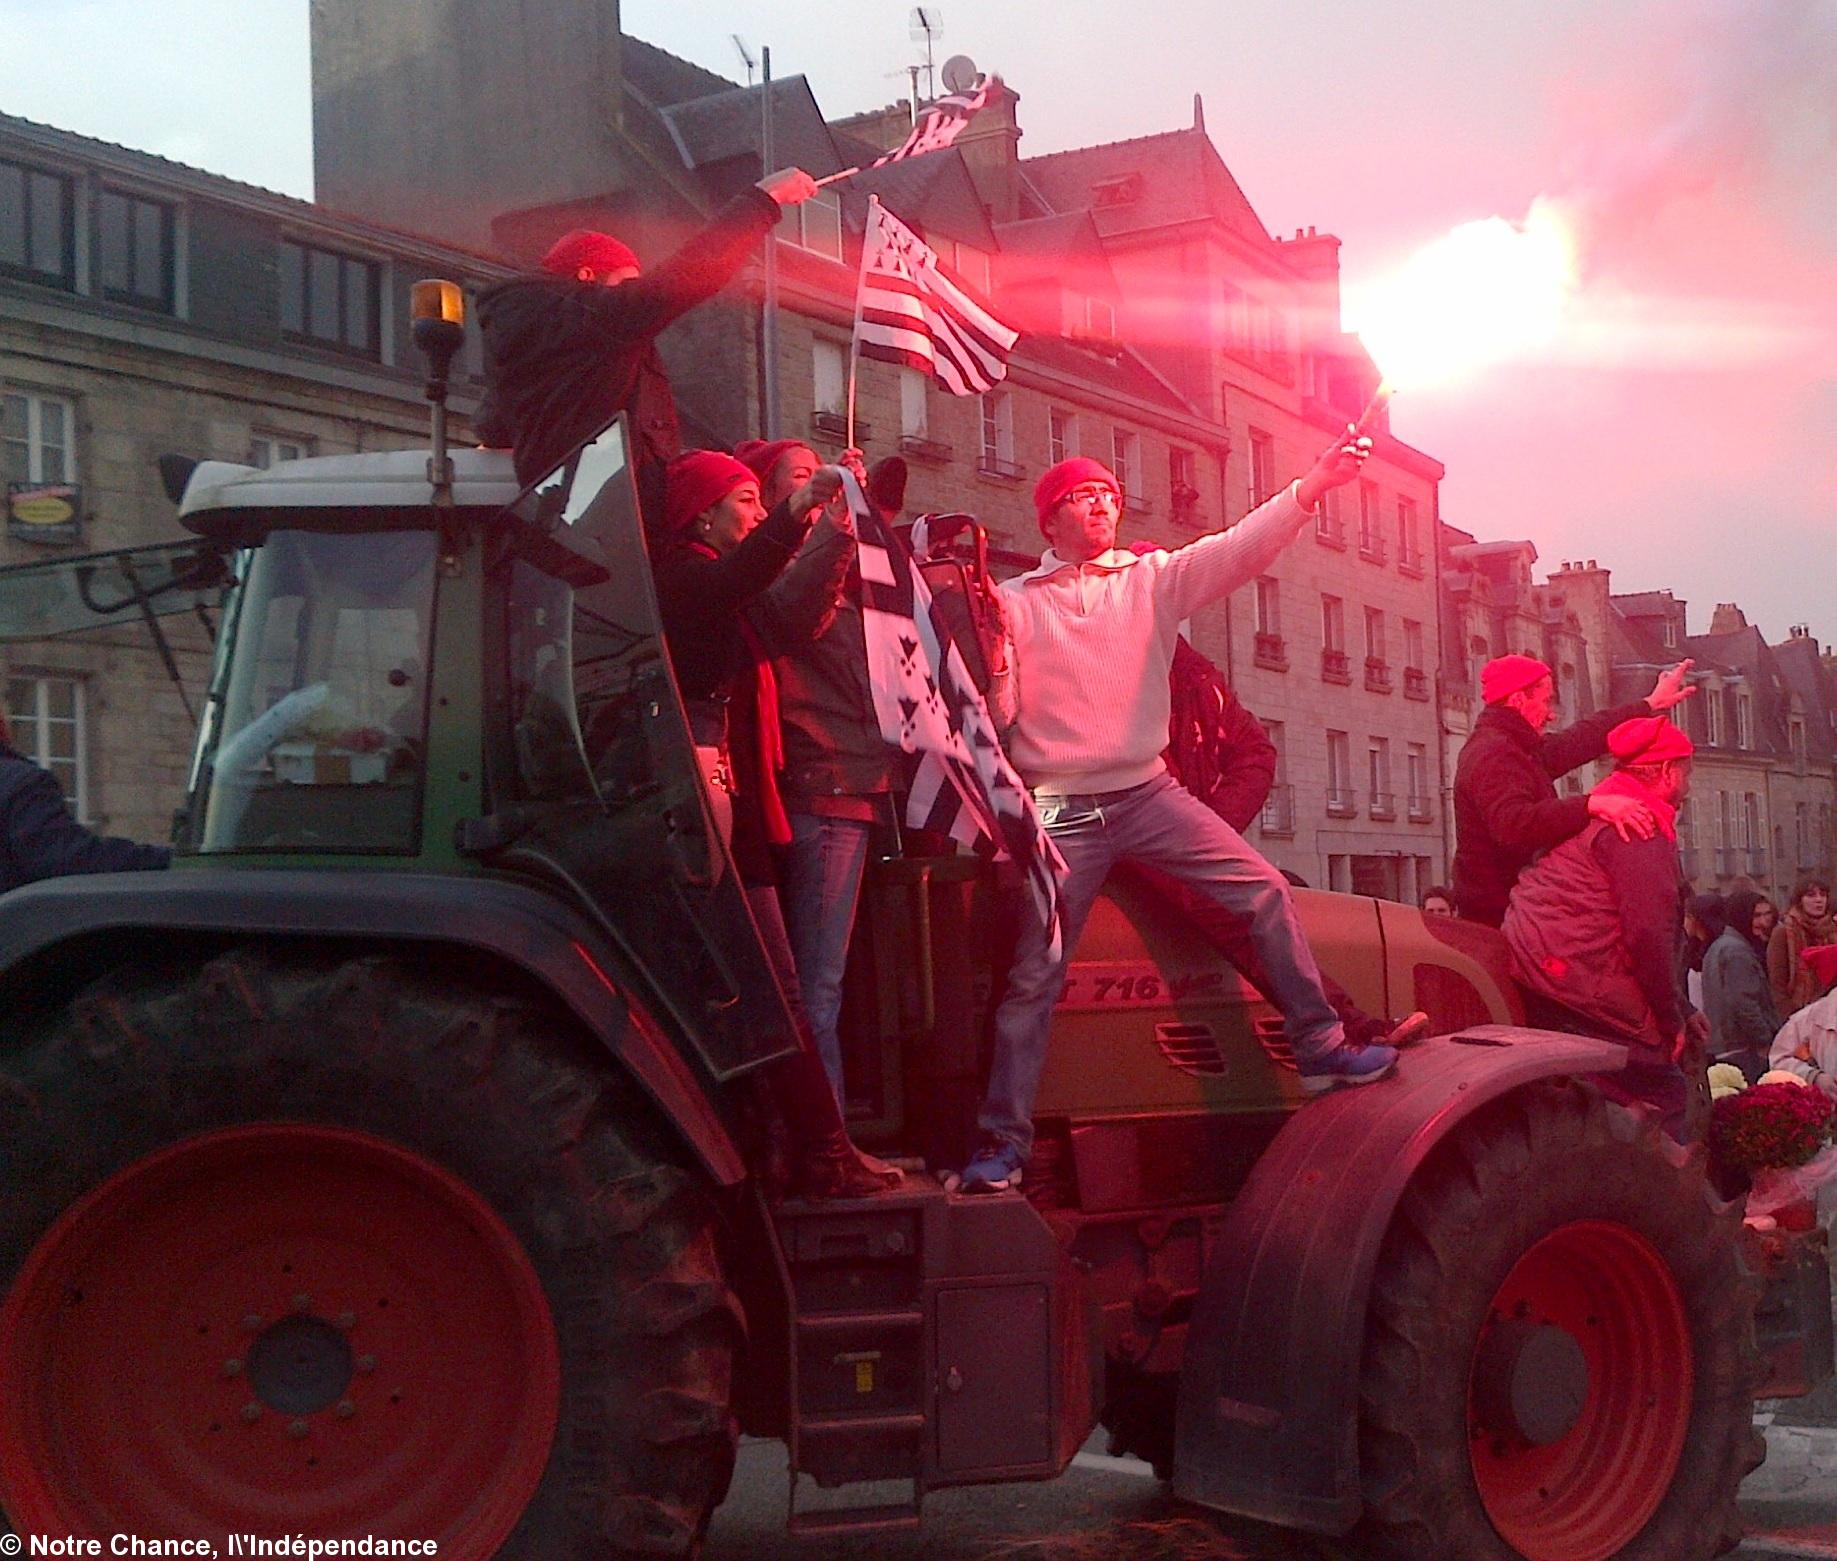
(1137, 756)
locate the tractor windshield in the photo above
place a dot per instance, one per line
(315, 735)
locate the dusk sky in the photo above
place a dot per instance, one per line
(1677, 426)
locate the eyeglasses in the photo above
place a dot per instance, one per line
(1091, 493)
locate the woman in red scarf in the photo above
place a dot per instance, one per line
(717, 552)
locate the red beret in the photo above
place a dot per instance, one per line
(694, 481)
(584, 250)
(1821, 961)
(1504, 676)
(764, 454)
(1057, 481)
(1648, 739)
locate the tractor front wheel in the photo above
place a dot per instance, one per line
(350, 1248)
(1561, 1350)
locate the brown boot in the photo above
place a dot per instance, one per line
(825, 1164)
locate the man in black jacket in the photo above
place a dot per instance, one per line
(39, 838)
(1506, 809)
(570, 347)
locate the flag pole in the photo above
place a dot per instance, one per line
(768, 302)
(854, 333)
(832, 178)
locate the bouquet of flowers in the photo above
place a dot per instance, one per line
(1779, 1134)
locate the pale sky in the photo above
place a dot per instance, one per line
(1680, 432)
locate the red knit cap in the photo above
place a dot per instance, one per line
(762, 455)
(1504, 676)
(1821, 961)
(1648, 739)
(585, 250)
(1057, 481)
(694, 481)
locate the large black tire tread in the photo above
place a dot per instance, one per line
(1540, 1158)
(500, 1089)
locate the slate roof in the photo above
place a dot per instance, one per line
(1183, 179)
(727, 124)
(662, 77)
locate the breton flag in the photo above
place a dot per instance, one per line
(909, 310)
(941, 123)
(928, 706)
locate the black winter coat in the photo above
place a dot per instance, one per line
(564, 357)
(39, 838)
(1506, 809)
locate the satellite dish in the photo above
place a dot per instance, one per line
(960, 74)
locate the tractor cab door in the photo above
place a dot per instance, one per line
(96, 590)
(604, 762)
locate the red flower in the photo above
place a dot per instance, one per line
(1771, 1127)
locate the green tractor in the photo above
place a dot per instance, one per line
(397, 1165)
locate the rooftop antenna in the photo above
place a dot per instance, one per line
(746, 57)
(927, 27)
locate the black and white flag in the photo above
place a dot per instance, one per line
(941, 123)
(928, 706)
(910, 310)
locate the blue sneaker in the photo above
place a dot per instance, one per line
(996, 1168)
(1347, 1064)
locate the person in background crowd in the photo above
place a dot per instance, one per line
(40, 839)
(718, 552)
(1807, 924)
(1766, 918)
(1703, 924)
(1218, 750)
(573, 345)
(839, 773)
(1593, 925)
(1807, 1042)
(1093, 631)
(1506, 808)
(1437, 900)
(1742, 1021)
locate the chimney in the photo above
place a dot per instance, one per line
(1727, 619)
(1199, 113)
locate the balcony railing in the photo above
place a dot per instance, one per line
(988, 465)
(1335, 667)
(1409, 562)
(1371, 549)
(1377, 675)
(1384, 804)
(1422, 810)
(1329, 531)
(1757, 860)
(1272, 652)
(1415, 683)
(1278, 817)
(1342, 801)
(1728, 861)
(924, 448)
(834, 425)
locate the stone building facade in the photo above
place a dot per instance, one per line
(148, 308)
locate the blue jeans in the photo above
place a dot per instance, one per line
(822, 868)
(1160, 824)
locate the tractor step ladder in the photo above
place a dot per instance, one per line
(860, 1363)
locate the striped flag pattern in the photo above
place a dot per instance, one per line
(963, 785)
(910, 310)
(941, 123)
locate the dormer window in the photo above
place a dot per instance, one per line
(1117, 192)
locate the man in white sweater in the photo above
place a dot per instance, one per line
(1093, 630)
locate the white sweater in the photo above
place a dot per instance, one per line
(1807, 1044)
(1094, 643)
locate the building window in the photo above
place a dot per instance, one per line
(1061, 434)
(1262, 467)
(1795, 729)
(35, 438)
(1383, 799)
(267, 450)
(1278, 815)
(829, 371)
(331, 299)
(47, 719)
(1330, 524)
(1371, 534)
(998, 434)
(1412, 645)
(815, 225)
(1340, 799)
(1801, 830)
(970, 264)
(1377, 647)
(1125, 459)
(134, 250)
(1669, 633)
(1744, 720)
(1419, 802)
(1182, 477)
(1269, 606)
(1332, 623)
(1712, 718)
(1409, 543)
(36, 235)
(914, 404)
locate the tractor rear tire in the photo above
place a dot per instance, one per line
(1560, 1351)
(347, 1246)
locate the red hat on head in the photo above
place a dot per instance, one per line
(694, 481)
(1648, 739)
(585, 250)
(764, 454)
(1057, 481)
(1504, 676)
(1821, 961)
